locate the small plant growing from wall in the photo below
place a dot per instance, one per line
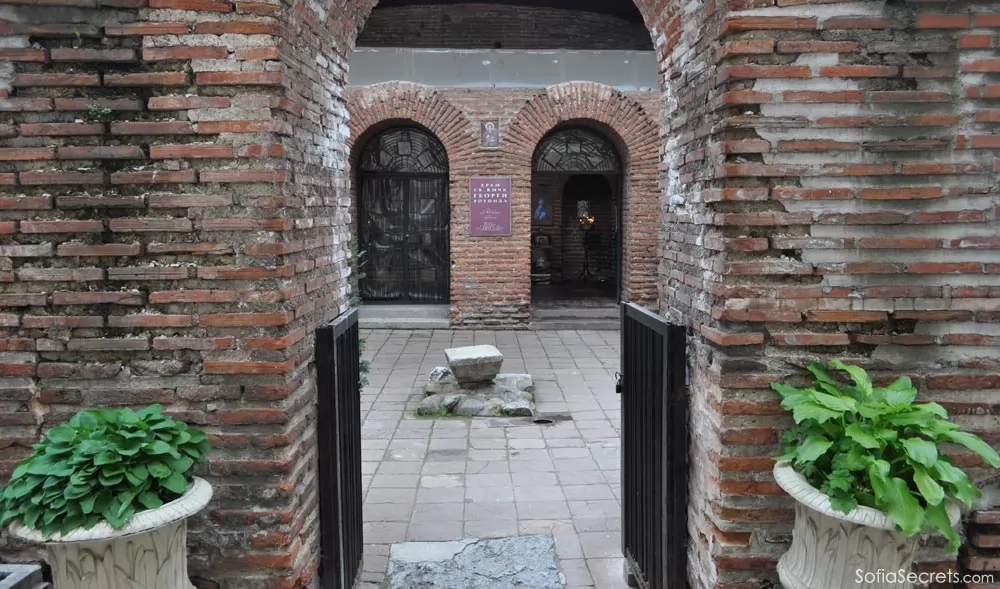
(98, 114)
(357, 261)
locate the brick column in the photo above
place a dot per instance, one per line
(837, 166)
(173, 229)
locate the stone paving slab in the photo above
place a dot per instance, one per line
(450, 479)
(526, 562)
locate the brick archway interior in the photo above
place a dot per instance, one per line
(625, 123)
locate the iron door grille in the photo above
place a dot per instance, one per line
(404, 216)
(654, 449)
(338, 382)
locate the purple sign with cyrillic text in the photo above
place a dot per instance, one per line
(489, 207)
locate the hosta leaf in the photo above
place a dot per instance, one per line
(87, 503)
(858, 374)
(62, 433)
(948, 472)
(977, 445)
(937, 516)
(71, 523)
(900, 392)
(150, 500)
(872, 410)
(932, 492)
(920, 451)
(182, 464)
(129, 447)
(72, 492)
(819, 371)
(809, 410)
(812, 448)
(933, 408)
(903, 508)
(159, 470)
(140, 471)
(106, 458)
(110, 481)
(785, 390)
(862, 437)
(160, 447)
(176, 483)
(838, 404)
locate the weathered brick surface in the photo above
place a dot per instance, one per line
(158, 244)
(843, 189)
(484, 25)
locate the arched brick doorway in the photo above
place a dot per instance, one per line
(403, 211)
(624, 123)
(576, 219)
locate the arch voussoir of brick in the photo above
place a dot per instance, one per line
(374, 108)
(627, 124)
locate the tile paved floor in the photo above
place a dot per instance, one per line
(447, 479)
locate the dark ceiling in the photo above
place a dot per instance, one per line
(621, 8)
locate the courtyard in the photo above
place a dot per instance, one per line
(449, 479)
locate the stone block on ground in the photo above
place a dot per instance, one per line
(20, 576)
(441, 382)
(501, 563)
(514, 381)
(518, 408)
(430, 405)
(473, 365)
(470, 407)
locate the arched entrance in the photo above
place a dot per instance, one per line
(576, 219)
(403, 218)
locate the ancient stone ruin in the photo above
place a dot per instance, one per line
(472, 386)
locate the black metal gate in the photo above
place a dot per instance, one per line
(338, 376)
(404, 218)
(654, 449)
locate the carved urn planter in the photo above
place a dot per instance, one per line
(836, 550)
(149, 552)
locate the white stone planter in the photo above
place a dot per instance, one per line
(149, 552)
(830, 547)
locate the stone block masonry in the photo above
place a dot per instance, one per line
(175, 213)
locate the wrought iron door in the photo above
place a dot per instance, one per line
(404, 218)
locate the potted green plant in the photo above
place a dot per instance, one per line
(109, 493)
(865, 467)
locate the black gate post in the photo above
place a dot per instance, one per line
(338, 429)
(654, 449)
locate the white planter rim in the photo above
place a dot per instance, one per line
(799, 488)
(191, 502)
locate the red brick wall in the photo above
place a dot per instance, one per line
(837, 166)
(481, 295)
(178, 249)
(485, 26)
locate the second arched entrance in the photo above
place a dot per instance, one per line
(575, 219)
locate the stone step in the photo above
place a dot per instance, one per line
(587, 313)
(404, 317)
(568, 324)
